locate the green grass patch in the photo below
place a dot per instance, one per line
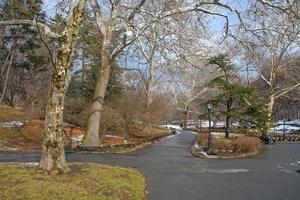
(84, 182)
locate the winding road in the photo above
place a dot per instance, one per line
(173, 173)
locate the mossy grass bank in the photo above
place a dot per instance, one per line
(84, 181)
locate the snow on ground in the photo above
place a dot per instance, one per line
(78, 138)
(12, 124)
(287, 128)
(177, 127)
(292, 122)
(114, 136)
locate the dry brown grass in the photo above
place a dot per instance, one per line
(30, 136)
(245, 144)
(9, 114)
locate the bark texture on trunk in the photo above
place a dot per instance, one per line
(53, 154)
(92, 136)
(270, 106)
(149, 86)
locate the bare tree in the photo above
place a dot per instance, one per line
(53, 153)
(129, 21)
(269, 48)
(188, 85)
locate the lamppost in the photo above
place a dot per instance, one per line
(283, 129)
(210, 148)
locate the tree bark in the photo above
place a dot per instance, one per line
(149, 86)
(92, 136)
(227, 127)
(270, 106)
(186, 117)
(53, 154)
(228, 109)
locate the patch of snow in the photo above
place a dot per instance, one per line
(197, 146)
(114, 136)
(220, 124)
(292, 122)
(78, 138)
(177, 127)
(12, 124)
(224, 171)
(287, 128)
(68, 125)
(31, 164)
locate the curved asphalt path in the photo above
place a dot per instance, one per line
(173, 173)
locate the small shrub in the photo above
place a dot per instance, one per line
(242, 144)
(202, 139)
(247, 144)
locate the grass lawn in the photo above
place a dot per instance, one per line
(85, 181)
(221, 135)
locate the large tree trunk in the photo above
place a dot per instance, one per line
(270, 106)
(149, 86)
(53, 154)
(92, 136)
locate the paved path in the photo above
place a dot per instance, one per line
(173, 173)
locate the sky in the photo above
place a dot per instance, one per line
(49, 7)
(217, 23)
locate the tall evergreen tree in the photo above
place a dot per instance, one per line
(235, 100)
(21, 49)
